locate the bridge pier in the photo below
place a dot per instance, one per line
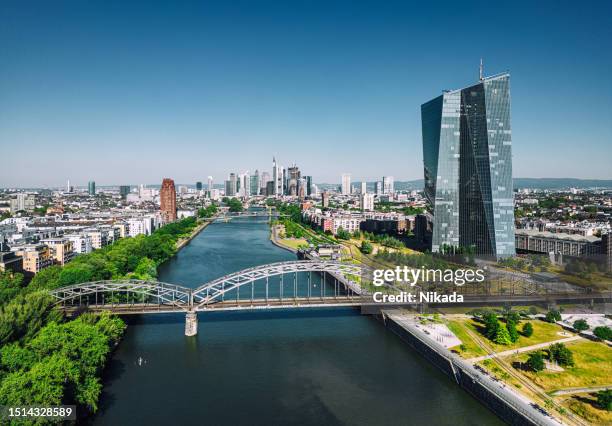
(191, 324)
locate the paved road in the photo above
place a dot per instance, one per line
(580, 390)
(524, 349)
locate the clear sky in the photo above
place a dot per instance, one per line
(133, 91)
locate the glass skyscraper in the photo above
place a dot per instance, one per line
(467, 154)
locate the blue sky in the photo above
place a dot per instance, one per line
(130, 92)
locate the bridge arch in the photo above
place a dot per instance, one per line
(141, 292)
(214, 290)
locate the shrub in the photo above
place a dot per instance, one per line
(536, 361)
(603, 332)
(553, 316)
(581, 325)
(527, 329)
(604, 399)
(560, 353)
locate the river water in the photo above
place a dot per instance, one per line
(298, 367)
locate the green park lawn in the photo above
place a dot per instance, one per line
(593, 367)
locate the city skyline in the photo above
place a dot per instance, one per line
(324, 90)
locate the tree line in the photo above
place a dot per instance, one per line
(46, 359)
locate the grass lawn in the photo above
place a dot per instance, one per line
(472, 349)
(593, 367)
(293, 243)
(585, 406)
(542, 332)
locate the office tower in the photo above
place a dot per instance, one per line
(277, 177)
(364, 187)
(255, 185)
(244, 185)
(293, 175)
(309, 185)
(91, 187)
(210, 183)
(124, 190)
(387, 184)
(68, 185)
(325, 199)
(366, 201)
(468, 167)
(167, 198)
(198, 186)
(263, 182)
(301, 188)
(379, 188)
(346, 184)
(233, 186)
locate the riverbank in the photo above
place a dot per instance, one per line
(279, 242)
(184, 241)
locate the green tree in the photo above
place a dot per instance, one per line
(553, 316)
(366, 247)
(581, 325)
(527, 329)
(491, 325)
(604, 399)
(502, 337)
(536, 361)
(342, 234)
(560, 353)
(603, 332)
(512, 331)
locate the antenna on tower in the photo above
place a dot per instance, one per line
(481, 71)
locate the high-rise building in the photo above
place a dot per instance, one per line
(346, 184)
(232, 189)
(198, 186)
(167, 198)
(254, 184)
(278, 178)
(124, 190)
(387, 184)
(22, 202)
(91, 187)
(68, 187)
(364, 187)
(467, 159)
(263, 182)
(210, 183)
(366, 201)
(325, 199)
(244, 185)
(379, 188)
(309, 185)
(293, 176)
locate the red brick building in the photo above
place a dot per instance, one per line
(167, 197)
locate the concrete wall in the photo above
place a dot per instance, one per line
(461, 376)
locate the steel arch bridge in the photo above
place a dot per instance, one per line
(139, 296)
(216, 290)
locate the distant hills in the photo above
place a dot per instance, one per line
(531, 183)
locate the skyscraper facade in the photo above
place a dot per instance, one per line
(467, 157)
(199, 186)
(255, 185)
(91, 187)
(346, 184)
(167, 198)
(210, 183)
(388, 184)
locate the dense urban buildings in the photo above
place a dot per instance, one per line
(167, 196)
(467, 158)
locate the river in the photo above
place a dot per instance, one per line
(298, 367)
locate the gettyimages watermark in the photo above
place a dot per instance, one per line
(404, 277)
